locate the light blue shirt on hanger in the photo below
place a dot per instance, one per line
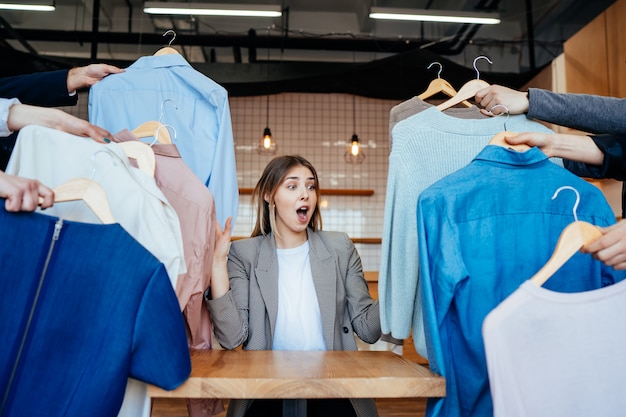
(167, 88)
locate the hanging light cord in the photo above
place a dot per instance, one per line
(353, 114)
(267, 83)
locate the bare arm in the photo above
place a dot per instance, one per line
(21, 115)
(573, 147)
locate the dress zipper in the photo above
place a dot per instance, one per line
(55, 236)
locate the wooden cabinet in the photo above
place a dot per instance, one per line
(595, 57)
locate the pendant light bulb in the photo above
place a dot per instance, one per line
(354, 148)
(267, 146)
(354, 154)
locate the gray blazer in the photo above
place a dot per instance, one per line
(246, 314)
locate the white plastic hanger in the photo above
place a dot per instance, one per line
(468, 90)
(574, 237)
(499, 138)
(439, 85)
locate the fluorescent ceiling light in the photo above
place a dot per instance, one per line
(444, 16)
(28, 7)
(205, 9)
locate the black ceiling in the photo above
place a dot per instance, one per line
(384, 61)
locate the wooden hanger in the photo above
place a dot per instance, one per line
(499, 138)
(573, 238)
(439, 85)
(142, 153)
(167, 50)
(468, 90)
(153, 129)
(90, 192)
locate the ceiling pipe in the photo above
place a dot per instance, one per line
(9, 29)
(95, 23)
(130, 16)
(218, 40)
(465, 34)
(531, 34)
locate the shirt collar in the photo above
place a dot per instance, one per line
(501, 155)
(159, 61)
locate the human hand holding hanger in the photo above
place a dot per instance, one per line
(492, 95)
(21, 115)
(24, 194)
(576, 236)
(610, 248)
(573, 147)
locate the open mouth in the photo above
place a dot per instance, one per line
(302, 213)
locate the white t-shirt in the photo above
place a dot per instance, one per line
(552, 354)
(299, 322)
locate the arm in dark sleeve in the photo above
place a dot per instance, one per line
(586, 112)
(48, 88)
(614, 164)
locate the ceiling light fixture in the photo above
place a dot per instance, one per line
(206, 9)
(28, 7)
(354, 154)
(427, 15)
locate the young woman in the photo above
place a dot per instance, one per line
(291, 286)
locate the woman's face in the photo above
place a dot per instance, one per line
(295, 201)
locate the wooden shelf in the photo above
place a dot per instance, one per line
(367, 240)
(326, 191)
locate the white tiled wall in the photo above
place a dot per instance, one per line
(317, 127)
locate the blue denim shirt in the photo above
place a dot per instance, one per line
(484, 230)
(198, 113)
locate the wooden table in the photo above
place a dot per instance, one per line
(300, 375)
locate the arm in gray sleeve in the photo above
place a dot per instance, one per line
(586, 112)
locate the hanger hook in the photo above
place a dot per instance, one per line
(156, 134)
(170, 32)
(93, 161)
(474, 65)
(508, 114)
(569, 187)
(440, 68)
(163, 104)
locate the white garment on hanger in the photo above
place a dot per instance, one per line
(552, 354)
(53, 157)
